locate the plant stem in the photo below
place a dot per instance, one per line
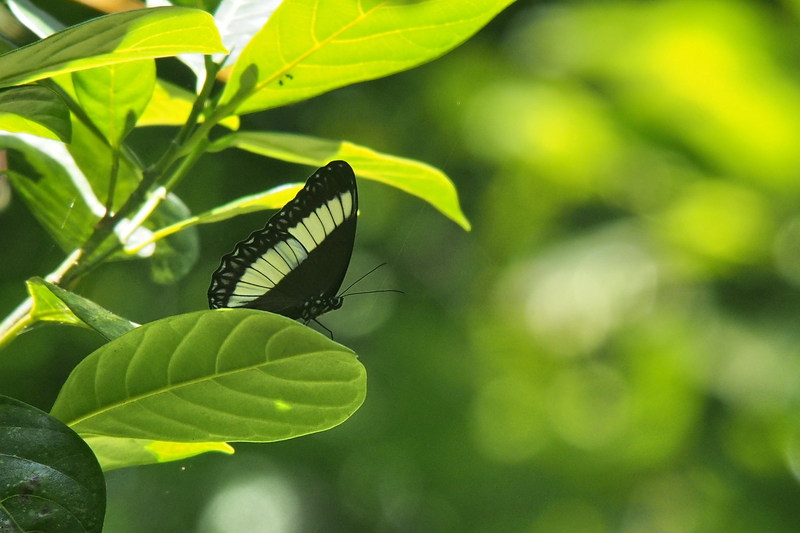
(188, 145)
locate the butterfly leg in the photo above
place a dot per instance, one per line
(320, 324)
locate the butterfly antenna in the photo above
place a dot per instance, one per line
(376, 290)
(344, 292)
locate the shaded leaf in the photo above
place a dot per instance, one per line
(35, 110)
(176, 254)
(413, 177)
(48, 188)
(214, 376)
(49, 478)
(115, 452)
(118, 38)
(309, 47)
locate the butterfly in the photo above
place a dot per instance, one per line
(296, 264)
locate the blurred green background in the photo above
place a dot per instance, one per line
(611, 349)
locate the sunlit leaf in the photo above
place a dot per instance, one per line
(35, 110)
(214, 376)
(47, 306)
(310, 47)
(413, 177)
(115, 452)
(170, 105)
(49, 478)
(114, 96)
(239, 20)
(118, 38)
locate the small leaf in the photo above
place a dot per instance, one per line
(214, 376)
(114, 452)
(86, 311)
(309, 47)
(49, 478)
(118, 38)
(114, 96)
(413, 177)
(49, 307)
(35, 110)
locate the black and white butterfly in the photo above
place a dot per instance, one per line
(295, 265)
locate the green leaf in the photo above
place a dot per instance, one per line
(214, 376)
(309, 47)
(413, 177)
(48, 189)
(170, 105)
(47, 306)
(85, 311)
(118, 38)
(35, 110)
(115, 96)
(63, 196)
(93, 156)
(115, 452)
(49, 478)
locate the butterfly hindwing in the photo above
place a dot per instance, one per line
(295, 265)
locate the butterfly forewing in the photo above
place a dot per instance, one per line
(295, 265)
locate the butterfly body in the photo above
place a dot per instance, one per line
(295, 265)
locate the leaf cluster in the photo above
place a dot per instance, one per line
(191, 383)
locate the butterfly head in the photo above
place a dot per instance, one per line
(314, 307)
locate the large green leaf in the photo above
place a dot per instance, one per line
(413, 177)
(118, 38)
(309, 47)
(115, 96)
(35, 110)
(49, 478)
(214, 376)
